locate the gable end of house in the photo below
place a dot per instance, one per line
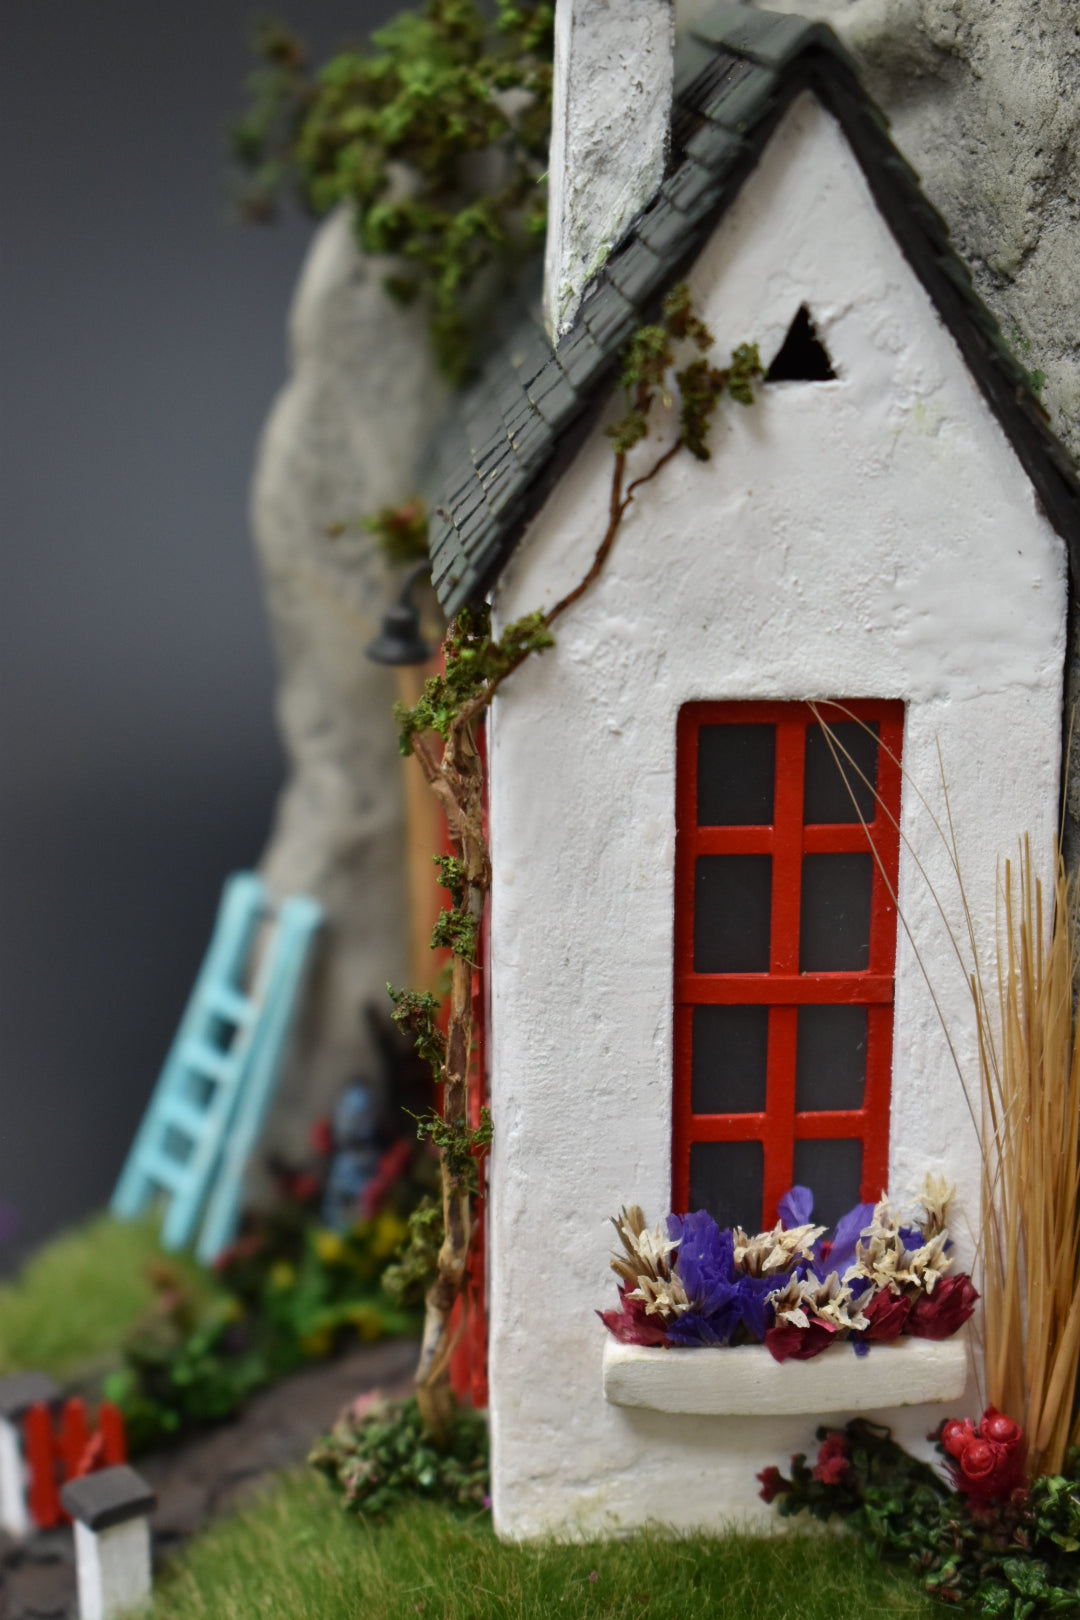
(509, 438)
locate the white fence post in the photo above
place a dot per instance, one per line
(17, 1395)
(111, 1511)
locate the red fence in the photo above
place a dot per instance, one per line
(56, 1451)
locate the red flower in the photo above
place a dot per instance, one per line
(631, 1324)
(938, 1315)
(391, 1167)
(786, 1342)
(887, 1314)
(322, 1137)
(305, 1188)
(773, 1484)
(833, 1463)
(987, 1460)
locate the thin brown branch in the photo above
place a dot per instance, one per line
(616, 507)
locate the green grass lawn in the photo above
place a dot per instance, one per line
(295, 1555)
(75, 1299)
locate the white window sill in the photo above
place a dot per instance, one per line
(747, 1379)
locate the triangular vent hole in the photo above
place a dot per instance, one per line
(802, 356)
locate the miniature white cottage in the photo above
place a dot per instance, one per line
(699, 991)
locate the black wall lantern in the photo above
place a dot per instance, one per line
(399, 641)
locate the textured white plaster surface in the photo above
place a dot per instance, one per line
(113, 1569)
(610, 118)
(869, 537)
(742, 1380)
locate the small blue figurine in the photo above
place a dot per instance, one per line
(357, 1150)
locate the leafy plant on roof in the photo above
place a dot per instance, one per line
(436, 137)
(441, 731)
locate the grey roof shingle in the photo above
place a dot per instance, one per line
(506, 440)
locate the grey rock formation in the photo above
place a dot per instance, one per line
(342, 440)
(984, 101)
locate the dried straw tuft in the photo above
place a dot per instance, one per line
(1030, 1066)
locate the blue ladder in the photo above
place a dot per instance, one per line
(222, 1068)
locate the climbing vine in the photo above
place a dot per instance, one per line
(440, 730)
(437, 138)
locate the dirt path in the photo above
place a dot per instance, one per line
(202, 1478)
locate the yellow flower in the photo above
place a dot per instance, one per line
(318, 1344)
(390, 1233)
(282, 1275)
(330, 1248)
(368, 1323)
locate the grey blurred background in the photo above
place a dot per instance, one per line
(141, 343)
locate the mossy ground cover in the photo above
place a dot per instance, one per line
(76, 1299)
(295, 1555)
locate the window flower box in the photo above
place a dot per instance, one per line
(745, 1379)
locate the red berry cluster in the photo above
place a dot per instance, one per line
(986, 1459)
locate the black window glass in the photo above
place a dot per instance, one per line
(833, 781)
(833, 1172)
(830, 1058)
(728, 1179)
(728, 1063)
(732, 904)
(735, 771)
(834, 928)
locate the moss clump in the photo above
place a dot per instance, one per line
(437, 138)
(77, 1298)
(379, 1456)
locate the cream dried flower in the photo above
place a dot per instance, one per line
(936, 1196)
(647, 1248)
(777, 1250)
(662, 1296)
(806, 1298)
(882, 1257)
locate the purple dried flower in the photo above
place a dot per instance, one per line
(796, 1207)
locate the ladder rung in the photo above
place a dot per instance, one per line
(184, 1116)
(164, 1172)
(205, 1059)
(230, 1004)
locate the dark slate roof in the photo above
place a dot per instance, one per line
(508, 438)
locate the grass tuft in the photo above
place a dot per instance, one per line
(76, 1298)
(294, 1555)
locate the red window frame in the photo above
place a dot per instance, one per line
(783, 988)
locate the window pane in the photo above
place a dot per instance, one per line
(728, 1064)
(732, 904)
(736, 767)
(831, 781)
(833, 1172)
(834, 931)
(830, 1060)
(728, 1179)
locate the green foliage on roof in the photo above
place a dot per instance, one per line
(437, 138)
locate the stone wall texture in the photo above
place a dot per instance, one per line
(343, 438)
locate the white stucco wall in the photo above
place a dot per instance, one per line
(869, 537)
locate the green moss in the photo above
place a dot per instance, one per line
(397, 131)
(295, 1555)
(76, 1299)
